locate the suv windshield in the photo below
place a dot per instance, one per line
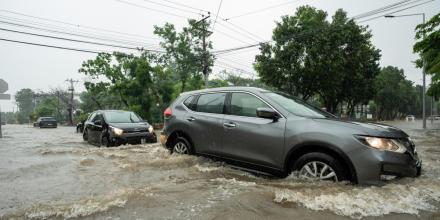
(298, 107)
(122, 117)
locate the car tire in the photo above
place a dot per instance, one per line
(181, 146)
(85, 136)
(105, 142)
(319, 166)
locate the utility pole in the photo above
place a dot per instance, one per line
(1, 135)
(71, 89)
(432, 110)
(205, 33)
(423, 68)
(3, 88)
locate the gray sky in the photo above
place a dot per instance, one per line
(39, 68)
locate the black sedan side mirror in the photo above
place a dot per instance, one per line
(267, 113)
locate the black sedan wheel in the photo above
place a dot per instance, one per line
(105, 142)
(85, 136)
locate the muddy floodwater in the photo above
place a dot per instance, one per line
(53, 174)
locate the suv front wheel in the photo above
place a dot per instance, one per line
(318, 166)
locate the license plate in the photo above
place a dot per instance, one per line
(143, 140)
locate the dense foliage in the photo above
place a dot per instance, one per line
(428, 46)
(396, 96)
(311, 57)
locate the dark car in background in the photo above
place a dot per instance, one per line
(46, 122)
(108, 128)
(278, 134)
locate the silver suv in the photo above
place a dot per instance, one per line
(277, 134)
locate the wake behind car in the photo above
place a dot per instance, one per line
(115, 127)
(279, 134)
(46, 122)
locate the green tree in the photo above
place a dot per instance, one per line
(185, 55)
(138, 82)
(311, 56)
(25, 102)
(428, 46)
(396, 96)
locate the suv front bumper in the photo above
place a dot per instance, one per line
(372, 165)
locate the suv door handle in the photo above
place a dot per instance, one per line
(191, 119)
(229, 124)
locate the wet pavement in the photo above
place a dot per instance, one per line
(53, 174)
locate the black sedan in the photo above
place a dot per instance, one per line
(115, 127)
(46, 122)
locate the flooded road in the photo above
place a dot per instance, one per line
(53, 174)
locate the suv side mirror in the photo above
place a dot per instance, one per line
(267, 113)
(98, 122)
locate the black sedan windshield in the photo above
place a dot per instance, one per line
(122, 117)
(298, 107)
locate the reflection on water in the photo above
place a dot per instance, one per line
(52, 174)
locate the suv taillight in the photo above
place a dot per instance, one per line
(168, 112)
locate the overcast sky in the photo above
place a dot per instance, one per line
(40, 68)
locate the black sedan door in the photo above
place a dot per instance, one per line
(95, 129)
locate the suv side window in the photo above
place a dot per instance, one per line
(211, 103)
(189, 103)
(243, 104)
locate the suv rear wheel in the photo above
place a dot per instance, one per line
(318, 166)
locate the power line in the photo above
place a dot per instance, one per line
(231, 66)
(219, 52)
(216, 14)
(68, 39)
(232, 37)
(235, 62)
(247, 36)
(187, 6)
(244, 30)
(76, 25)
(151, 9)
(413, 6)
(261, 10)
(252, 75)
(50, 46)
(223, 19)
(58, 29)
(61, 30)
(176, 8)
(66, 33)
(365, 14)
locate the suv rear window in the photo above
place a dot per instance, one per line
(211, 103)
(189, 103)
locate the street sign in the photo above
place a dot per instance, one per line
(5, 96)
(3, 88)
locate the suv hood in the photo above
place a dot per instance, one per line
(371, 129)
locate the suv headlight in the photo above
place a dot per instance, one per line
(150, 129)
(386, 144)
(117, 131)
